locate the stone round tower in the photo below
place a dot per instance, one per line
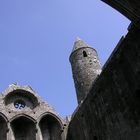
(85, 68)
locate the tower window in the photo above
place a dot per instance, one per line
(84, 54)
(19, 104)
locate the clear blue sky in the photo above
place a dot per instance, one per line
(36, 39)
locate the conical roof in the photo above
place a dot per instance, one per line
(79, 44)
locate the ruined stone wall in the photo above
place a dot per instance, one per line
(22, 115)
(129, 8)
(111, 110)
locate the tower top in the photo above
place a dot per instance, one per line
(79, 44)
(85, 68)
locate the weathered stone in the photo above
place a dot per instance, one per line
(109, 103)
(25, 116)
(85, 67)
(111, 110)
(129, 8)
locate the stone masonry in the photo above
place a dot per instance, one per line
(85, 67)
(108, 98)
(25, 116)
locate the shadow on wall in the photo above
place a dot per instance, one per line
(50, 128)
(23, 129)
(3, 128)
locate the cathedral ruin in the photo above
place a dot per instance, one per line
(108, 97)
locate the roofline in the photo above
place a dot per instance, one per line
(78, 50)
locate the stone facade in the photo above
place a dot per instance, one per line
(109, 103)
(25, 116)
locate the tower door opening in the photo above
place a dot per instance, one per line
(23, 129)
(3, 129)
(50, 128)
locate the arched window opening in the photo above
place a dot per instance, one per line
(23, 129)
(3, 129)
(21, 99)
(84, 54)
(50, 128)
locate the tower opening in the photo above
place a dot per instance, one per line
(50, 128)
(3, 129)
(23, 129)
(84, 54)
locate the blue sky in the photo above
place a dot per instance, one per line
(36, 39)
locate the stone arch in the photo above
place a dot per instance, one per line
(23, 127)
(22, 115)
(3, 127)
(29, 99)
(4, 117)
(50, 126)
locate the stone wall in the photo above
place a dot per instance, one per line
(129, 8)
(25, 116)
(111, 111)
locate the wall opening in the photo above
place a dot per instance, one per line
(19, 104)
(84, 54)
(21, 99)
(23, 129)
(50, 128)
(3, 129)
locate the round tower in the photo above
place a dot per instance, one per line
(85, 68)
